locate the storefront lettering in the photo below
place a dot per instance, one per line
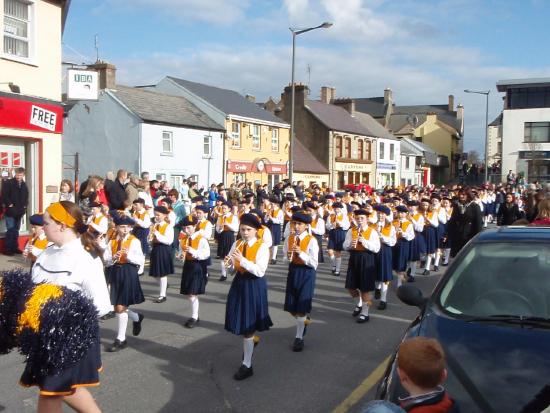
(240, 167)
(353, 167)
(43, 118)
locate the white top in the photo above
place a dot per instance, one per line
(259, 267)
(73, 267)
(143, 223)
(168, 237)
(206, 232)
(408, 235)
(267, 237)
(319, 229)
(418, 224)
(344, 223)
(442, 215)
(392, 239)
(279, 216)
(148, 203)
(103, 224)
(434, 220)
(134, 254)
(203, 251)
(372, 244)
(233, 225)
(310, 256)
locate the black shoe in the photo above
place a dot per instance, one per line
(298, 345)
(377, 294)
(136, 328)
(426, 272)
(357, 311)
(160, 300)
(436, 268)
(223, 278)
(337, 274)
(117, 346)
(18, 251)
(108, 316)
(382, 305)
(333, 270)
(409, 271)
(243, 373)
(445, 264)
(191, 322)
(410, 279)
(273, 262)
(362, 318)
(306, 323)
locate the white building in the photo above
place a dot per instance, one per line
(526, 128)
(494, 141)
(411, 157)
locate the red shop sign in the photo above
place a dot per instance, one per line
(276, 169)
(31, 115)
(16, 159)
(239, 167)
(4, 159)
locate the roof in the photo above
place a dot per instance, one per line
(304, 161)
(442, 111)
(497, 121)
(502, 85)
(164, 109)
(374, 106)
(427, 152)
(336, 118)
(227, 101)
(515, 234)
(399, 124)
(409, 149)
(375, 128)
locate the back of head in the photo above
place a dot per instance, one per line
(423, 361)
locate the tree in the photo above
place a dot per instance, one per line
(473, 157)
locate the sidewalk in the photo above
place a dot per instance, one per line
(8, 263)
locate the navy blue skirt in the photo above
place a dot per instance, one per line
(193, 277)
(85, 373)
(275, 232)
(418, 246)
(441, 230)
(319, 238)
(384, 263)
(300, 284)
(361, 271)
(225, 242)
(247, 308)
(336, 238)
(162, 262)
(125, 285)
(430, 235)
(142, 234)
(401, 254)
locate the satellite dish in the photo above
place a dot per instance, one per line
(412, 119)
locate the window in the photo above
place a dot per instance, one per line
(367, 150)
(381, 152)
(207, 147)
(275, 140)
(255, 131)
(407, 162)
(360, 150)
(532, 97)
(167, 142)
(338, 147)
(17, 28)
(238, 178)
(348, 147)
(535, 132)
(392, 151)
(235, 134)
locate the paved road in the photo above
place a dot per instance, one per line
(169, 368)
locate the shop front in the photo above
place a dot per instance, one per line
(346, 173)
(386, 174)
(30, 137)
(260, 171)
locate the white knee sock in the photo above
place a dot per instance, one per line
(224, 270)
(300, 324)
(414, 264)
(446, 255)
(437, 257)
(384, 292)
(428, 262)
(194, 307)
(248, 350)
(163, 286)
(338, 263)
(365, 310)
(360, 301)
(399, 281)
(274, 253)
(133, 315)
(378, 285)
(332, 260)
(122, 319)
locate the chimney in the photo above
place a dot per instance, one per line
(387, 96)
(451, 103)
(327, 94)
(301, 92)
(346, 103)
(107, 74)
(251, 98)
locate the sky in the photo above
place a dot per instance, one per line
(424, 50)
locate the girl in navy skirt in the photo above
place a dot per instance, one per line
(441, 228)
(143, 224)
(124, 260)
(274, 218)
(302, 250)
(194, 252)
(363, 243)
(205, 227)
(226, 226)
(287, 213)
(317, 227)
(384, 271)
(446, 242)
(263, 233)
(247, 307)
(162, 263)
(431, 222)
(418, 246)
(337, 225)
(402, 249)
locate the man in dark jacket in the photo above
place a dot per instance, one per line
(15, 198)
(465, 222)
(116, 193)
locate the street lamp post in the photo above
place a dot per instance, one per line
(486, 93)
(296, 32)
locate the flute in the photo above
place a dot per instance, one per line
(355, 238)
(228, 260)
(183, 255)
(151, 236)
(290, 253)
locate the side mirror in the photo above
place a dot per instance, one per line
(411, 295)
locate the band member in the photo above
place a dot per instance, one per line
(226, 226)
(418, 245)
(247, 306)
(337, 224)
(274, 217)
(287, 212)
(38, 241)
(445, 241)
(263, 233)
(162, 236)
(97, 221)
(194, 252)
(384, 272)
(143, 223)
(203, 224)
(431, 222)
(402, 249)
(302, 251)
(317, 227)
(363, 243)
(124, 259)
(441, 227)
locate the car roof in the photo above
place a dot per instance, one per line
(515, 234)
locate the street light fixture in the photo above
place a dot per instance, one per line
(486, 93)
(14, 88)
(296, 32)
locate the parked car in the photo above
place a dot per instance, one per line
(358, 188)
(491, 313)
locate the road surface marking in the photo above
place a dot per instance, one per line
(360, 391)
(387, 317)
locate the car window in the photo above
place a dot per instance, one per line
(500, 278)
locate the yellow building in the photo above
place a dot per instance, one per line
(31, 115)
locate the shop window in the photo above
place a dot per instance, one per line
(17, 28)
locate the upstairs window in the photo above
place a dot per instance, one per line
(338, 147)
(255, 132)
(207, 146)
(17, 28)
(536, 132)
(348, 147)
(392, 151)
(235, 134)
(381, 153)
(167, 143)
(275, 140)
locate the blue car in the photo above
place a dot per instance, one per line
(491, 313)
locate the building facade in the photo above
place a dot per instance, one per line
(494, 141)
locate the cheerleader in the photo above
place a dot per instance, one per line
(402, 249)
(302, 250)
(388, 237)
(194, 252)
(124, 260)
(431, 222)
(143, 224)
(247, 307)
(97, 221)
(73, 261)
(226, 226)
(38, 241)
(161, 253)
(337, 224)
(418, 245)
(363, 243)
(317, 227)
(274, 218)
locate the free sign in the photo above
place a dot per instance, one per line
(43, 118)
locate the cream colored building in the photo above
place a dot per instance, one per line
(31, 115)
